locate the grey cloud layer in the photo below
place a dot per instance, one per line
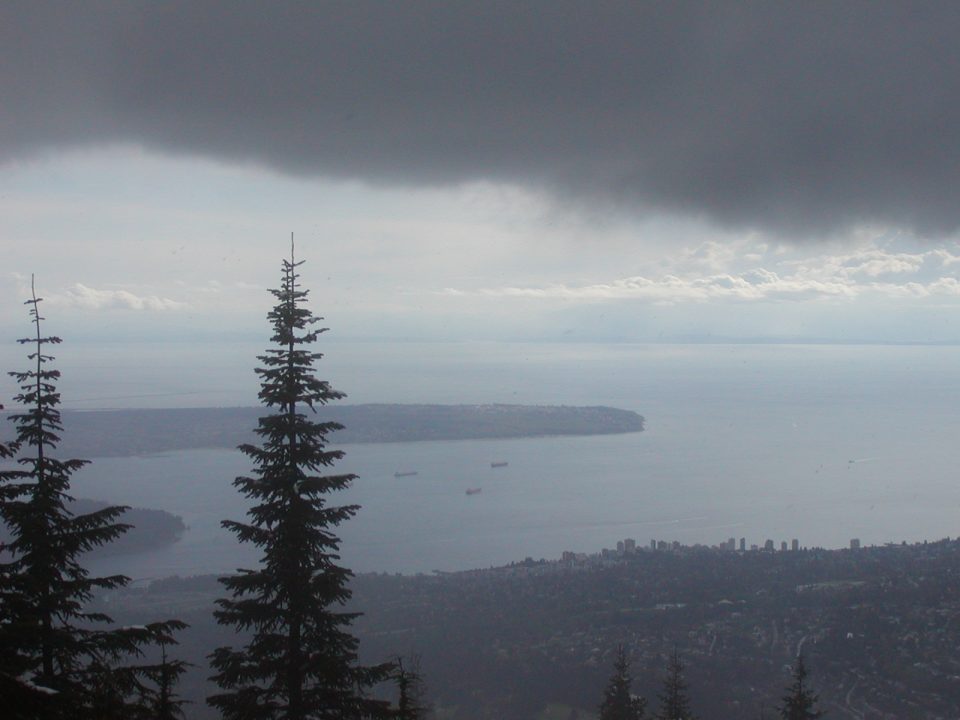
(793, 117)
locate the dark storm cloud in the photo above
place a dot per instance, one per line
(797, 117)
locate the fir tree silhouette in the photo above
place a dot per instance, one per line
(799, 703)
(301, 660)
(618, 702)
(55, 660)
(674, 703)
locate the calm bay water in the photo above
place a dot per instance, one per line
(821, 443)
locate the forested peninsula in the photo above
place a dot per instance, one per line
(150, 528)
(117, 433)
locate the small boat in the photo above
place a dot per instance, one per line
(405, 473)
(473, 491)
(502, 463)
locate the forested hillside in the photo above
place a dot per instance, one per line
(135, 432)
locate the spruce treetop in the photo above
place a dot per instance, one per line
(674, 703)
(55, 659)
(301, 659)
(800, 702)
(618, 702)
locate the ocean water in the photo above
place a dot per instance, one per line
(818, 443)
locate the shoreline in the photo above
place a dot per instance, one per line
(144, 432)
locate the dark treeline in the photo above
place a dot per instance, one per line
(620, 703)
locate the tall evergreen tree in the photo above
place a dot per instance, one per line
(800, 702)
(618, 702)
(411, 702)
(674, 703)
(164, 702)
(143, 691)
(52, 651)
(301, 660)
(6, 450)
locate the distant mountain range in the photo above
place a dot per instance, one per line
(117, 433)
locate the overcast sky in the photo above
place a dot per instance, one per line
(484, 170)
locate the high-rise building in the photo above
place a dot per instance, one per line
(855, 544)
(629, 545)
(795, 544)
(743, 544)
(783, 546)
